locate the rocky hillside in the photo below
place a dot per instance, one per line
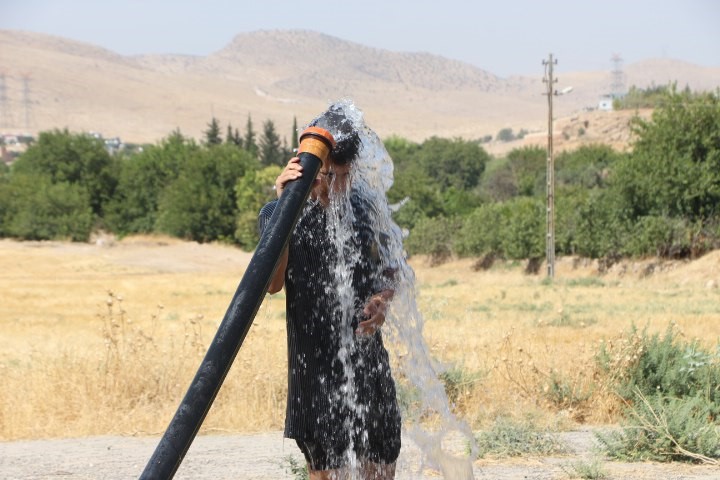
(279, 75)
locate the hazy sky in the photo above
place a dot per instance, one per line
(503, 37)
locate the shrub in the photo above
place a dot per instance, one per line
(665, 429)
(654, 364)
(459, 382)
(523, 235)
(433, 237)
(660, 236)
(297, 468)
(672, 393)
(479, 234)
(40, 210)
(587, 470)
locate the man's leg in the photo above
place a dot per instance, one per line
(378, 471)
(339, 474)
(322, 463)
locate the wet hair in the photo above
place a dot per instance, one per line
(347, 137)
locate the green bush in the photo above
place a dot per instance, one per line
(252, 191)
(35, 208)
(142, 179)
(433, 237)
(599, 229)
(660, 236)
(663, 429)
(523, 230)
(664, 365)
(200, 204)
(479, 234)
(672, 392)
(73, 158)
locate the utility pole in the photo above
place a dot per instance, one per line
(550, 177)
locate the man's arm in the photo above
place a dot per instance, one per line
(375, 310)
(278, 280)
(292, 171)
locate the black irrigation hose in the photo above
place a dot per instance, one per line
(315, 145)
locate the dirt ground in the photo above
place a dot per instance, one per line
(265, 456)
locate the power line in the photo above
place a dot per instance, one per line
(26, 99)
(4, 108)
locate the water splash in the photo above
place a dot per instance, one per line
(429, 420)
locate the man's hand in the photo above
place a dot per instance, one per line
(292, 171)
(375, 312)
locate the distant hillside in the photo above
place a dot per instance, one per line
(279, 75)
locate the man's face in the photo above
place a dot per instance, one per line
(331, 179)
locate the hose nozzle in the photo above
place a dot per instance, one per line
(316, 141)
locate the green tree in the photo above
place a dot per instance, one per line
(523, 229)
(588, 166)
(590, 224)
(505, 135)
(480, 233)
(212, 134)
(250, 142)
(253, 190)
(76, 159)
(200, 204)
(434, 237)
(437, 177)
(142, 180)
(237, 139)
(498, 183)
(424, 197)
(453, 163)
(529, 169)
(270, 149)
(674, 167)
(34, 207)
(294, 144)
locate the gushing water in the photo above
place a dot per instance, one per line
(428, 421)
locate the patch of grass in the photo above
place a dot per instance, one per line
(527, 307)
(479, 308)
(296, 468)
(459, 382)
(509, 438)
(585, 282)
(566, 393)
(586, 470)
(567, 320)
(408, 396)
(449, 283)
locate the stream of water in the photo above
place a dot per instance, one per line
(427, 417)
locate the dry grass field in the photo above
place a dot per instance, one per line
(104, 338)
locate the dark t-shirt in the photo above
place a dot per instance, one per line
(319, 405)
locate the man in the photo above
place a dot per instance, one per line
(342, 408)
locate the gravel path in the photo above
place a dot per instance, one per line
(264, 456)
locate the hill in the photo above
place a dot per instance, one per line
(279, 75)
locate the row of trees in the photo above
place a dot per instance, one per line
(661, 199)
(269, 148)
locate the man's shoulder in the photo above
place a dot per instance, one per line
(268, 209)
